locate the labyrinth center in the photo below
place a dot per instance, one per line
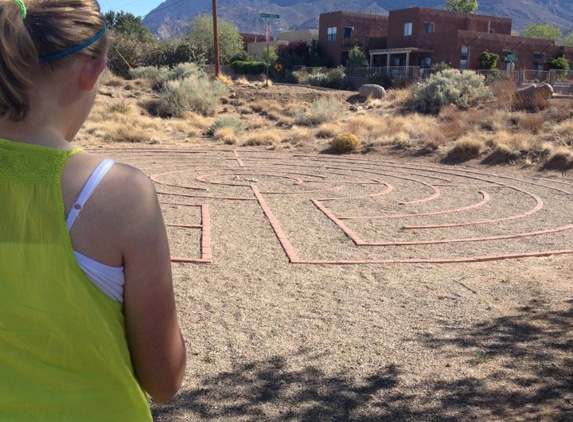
(326, 209)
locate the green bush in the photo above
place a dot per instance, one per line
(559, 63)
(301, 77)
(462, 89)
(193, 93)
(227, 121)
(345, 142)
(248, 68)
(488, 60)
(335, 78)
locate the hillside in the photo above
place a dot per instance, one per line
(173, 17)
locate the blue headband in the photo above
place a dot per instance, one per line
(71, 50)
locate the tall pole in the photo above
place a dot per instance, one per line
(216, 39)
(268, 36)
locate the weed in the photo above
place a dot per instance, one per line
(121, 108)
(345, 142)
(231, 122)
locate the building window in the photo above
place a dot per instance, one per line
(408, 29)
(348, 32)
(464, 57)
(428, 27)
(331, 34)
(539, 57)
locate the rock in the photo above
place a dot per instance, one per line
(371, 91)
(543, 90)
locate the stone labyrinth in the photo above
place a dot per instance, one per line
(326, 209)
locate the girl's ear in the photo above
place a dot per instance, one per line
(91, 69)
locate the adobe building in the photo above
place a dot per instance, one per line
(257, 47)
(339, 32)
(421, 37)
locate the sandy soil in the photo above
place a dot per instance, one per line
(314, 287)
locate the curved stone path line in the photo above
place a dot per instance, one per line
(389, 189)
(361, 177)
(359, 242)
(485, 200)
(537, 208)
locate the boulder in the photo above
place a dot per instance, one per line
(371, 91)
(543, 90)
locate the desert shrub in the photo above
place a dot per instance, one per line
(227, 121)
(466, 148)
(320, 111)
(318, 79)
(335, 78)
(298, 77)
(439, 67)
(191, 94)
(150, 73)
(447, 87)
(345, 142)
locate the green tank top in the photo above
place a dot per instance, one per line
(63, 348)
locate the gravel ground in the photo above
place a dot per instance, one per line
(292, 319)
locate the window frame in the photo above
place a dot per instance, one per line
(408, 29)
(331, 33)
(429, 27)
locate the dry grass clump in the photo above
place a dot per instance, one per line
(366, 126)
(263, 139)
(466, 148)
(327, 130)
(227, 80)
(321, 111)
(236, 124)
(504, 91)
(559, 159)
(121, 107)
(299, 136)
(564, 132)
(130, 134)
(225, 134)
(344, 143)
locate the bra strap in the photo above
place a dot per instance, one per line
(90, 185)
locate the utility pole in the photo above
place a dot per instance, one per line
(216, 39)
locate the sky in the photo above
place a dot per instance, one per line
(135, 7)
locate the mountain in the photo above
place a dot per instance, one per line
(173, 17)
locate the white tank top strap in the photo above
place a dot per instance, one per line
(92, 183)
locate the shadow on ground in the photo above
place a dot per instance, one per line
(532, 381)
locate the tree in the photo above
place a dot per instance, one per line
(567, 40)
(201, 35)
(295, 53)
(488, 60)
(542, 30)
(559, 63)
(465, 6)
(270, 56)
(127, 24)
(356, 58)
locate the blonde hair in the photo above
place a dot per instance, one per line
(49, 27)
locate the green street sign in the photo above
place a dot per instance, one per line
(269, 16)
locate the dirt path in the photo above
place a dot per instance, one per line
(319, 288)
